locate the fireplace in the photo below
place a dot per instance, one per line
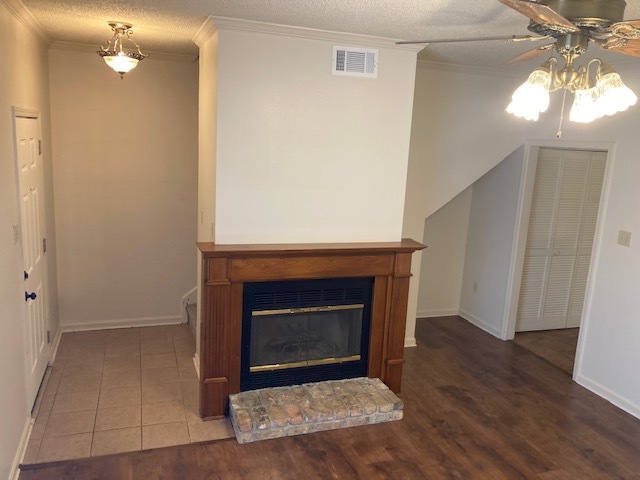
(228, 269)
(303, 331)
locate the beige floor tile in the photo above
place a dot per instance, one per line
(31, 452)
(39, 426)
(127, 378)
(79, 383)
(159, 360)
(185, 360)
(52, 384)
(83, 367)
(94, 337)
(119, 397)
(192, 409)
(118, 417)
(46, 405)
(160, 393)
(70, 423)
(163, 413)
(188, 374)
(120, 349)
(75, 402)
(65, 448)
(121, 363)
(187, 345)
(190, 390)
(86, 352)
(123, 335)
(116, 441)
(150, 347)
(165, 435)
(154, 376)
(204, 431)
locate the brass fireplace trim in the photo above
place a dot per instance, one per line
(328, 308)
(305, 363)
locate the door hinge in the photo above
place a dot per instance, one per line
(44, 245)
(39, 147)
(48, 336)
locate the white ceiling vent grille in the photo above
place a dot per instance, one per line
(355, 62)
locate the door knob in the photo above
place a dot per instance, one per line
(28, 296)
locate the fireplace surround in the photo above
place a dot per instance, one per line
(227, 268)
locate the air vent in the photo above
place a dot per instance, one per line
(355, 62)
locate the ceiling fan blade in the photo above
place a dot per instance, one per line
(626, 29)
(510, 38)
(542, 14)
(619, 45)
(530, 54)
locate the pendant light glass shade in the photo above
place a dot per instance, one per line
(114, 54)
(532, 97)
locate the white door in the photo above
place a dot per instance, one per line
(31, 180)
(564, 212)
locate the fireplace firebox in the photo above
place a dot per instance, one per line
(304, 331)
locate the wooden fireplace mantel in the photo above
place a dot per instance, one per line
(226, 268)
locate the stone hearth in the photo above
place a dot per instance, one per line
(313, 407)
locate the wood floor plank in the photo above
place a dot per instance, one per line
(475, 408)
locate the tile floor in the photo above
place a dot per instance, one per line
(114, 391)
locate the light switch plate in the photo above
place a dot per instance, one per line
(624, 238)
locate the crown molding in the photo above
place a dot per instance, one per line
(88, 48)
(205, 32)
(213, 24)
(24, 16)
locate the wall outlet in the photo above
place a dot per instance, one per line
(624, 238)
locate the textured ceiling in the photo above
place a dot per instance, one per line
(168, 26)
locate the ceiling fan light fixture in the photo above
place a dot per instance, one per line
(613, 95)
(532, 97)
(585, 107)
(114, 54)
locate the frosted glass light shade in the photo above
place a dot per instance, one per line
(121, 62)
(614, 96)
(532, 97)
(585, 107)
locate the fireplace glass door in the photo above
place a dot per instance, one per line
(301, 337)
(302, 331)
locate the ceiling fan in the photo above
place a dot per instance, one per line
(572, 23)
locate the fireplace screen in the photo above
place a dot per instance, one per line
(300, 331)
(301, 337)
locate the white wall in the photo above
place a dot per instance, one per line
(610, 334)
(459, 132)
(443, 262)
(302, 155)
(23, 83)
(492, 224)
(125, 164)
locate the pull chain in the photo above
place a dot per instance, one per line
(564, 98)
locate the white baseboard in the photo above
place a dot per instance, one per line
(478, 322)
(14, 473)
(190, 297)
(196, 362)
(56, 344)
(628, 406)
(410, 342)
(441, 312)
(121, 323)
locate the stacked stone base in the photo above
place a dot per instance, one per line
(312, 407)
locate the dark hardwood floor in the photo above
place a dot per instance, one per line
(555, 346)
(475, 408)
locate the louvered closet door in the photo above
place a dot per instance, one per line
(562, 225)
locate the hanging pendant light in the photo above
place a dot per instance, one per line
(115, 55)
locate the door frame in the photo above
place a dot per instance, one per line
(25, 112)
(519, 242)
